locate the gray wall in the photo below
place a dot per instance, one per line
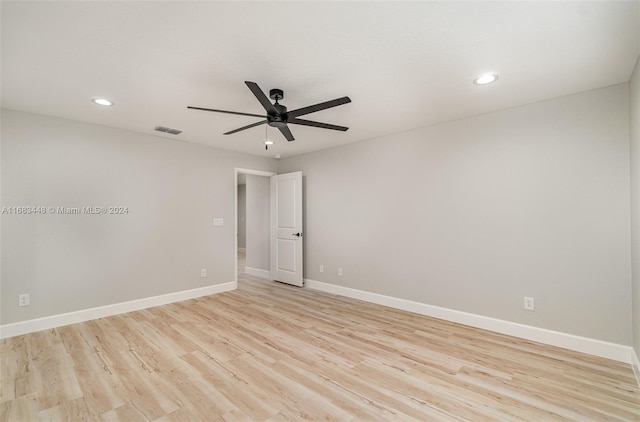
(173, 190)
(258, 191)
(470, 215)
(634, 134)
(242, 216)
(475, 214)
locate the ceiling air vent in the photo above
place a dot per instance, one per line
(168, 130)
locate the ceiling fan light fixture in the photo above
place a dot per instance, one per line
(268, 142)
(102, 101)
(486, 78)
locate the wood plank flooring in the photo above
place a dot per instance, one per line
(272, 352)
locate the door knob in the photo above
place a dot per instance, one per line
(298, 234)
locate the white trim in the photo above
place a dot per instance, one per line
(590, 346)
(54, 321)
(257, 272)
(254, 172)
(242, 249)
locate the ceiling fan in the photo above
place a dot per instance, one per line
(277, 114)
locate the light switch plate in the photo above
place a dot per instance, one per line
(218, 222)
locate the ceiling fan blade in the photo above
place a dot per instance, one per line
(318, 107)
(246, 127)
(287, 133)
(225, 111)
(264, 100)
(303, 122)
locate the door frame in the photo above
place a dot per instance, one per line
(236, 171)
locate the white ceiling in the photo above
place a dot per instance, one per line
(404, 65)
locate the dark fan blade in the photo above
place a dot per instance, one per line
(246, 127)
(316, 124)
(225, 111)
(261, 97)
(318, 107)
(287, 133)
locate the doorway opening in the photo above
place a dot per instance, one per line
(252, 223)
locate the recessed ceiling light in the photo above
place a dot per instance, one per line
(486, 78)
(277, 157)
(102, 101)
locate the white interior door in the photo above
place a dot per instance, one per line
(286, 228)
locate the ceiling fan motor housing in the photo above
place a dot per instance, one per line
(279, 119)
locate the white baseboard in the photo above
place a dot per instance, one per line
(54, 321)
(256, 272)
(590, 346)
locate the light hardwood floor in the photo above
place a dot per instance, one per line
(268, 351)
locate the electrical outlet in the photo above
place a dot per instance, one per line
(321, 268)
(203, 272)
(340, 272)
(528, 304)
(24, 300)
